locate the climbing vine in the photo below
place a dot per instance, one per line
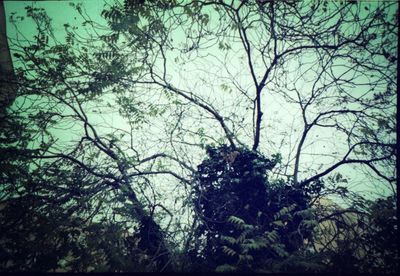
(245, 218)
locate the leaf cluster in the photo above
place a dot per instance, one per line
(245, 218)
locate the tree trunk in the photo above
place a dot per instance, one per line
(7, 88)
(152, 238)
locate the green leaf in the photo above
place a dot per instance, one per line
(278, 223)
(256, 244)
(228, 251)
(243, 235)
(236, 220)
(230, 240)
(278, 248)
(245, 258)
(225, 268)
(310, 223)
(272, 236)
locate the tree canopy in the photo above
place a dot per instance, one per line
(200, 135)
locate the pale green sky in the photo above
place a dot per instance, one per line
(282, 120)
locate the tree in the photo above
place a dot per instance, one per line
(7, 93)
(246, 222)
(363, 239)
(118, 113)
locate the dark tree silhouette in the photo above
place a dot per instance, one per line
(156, 116)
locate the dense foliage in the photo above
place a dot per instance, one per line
(247, 222)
